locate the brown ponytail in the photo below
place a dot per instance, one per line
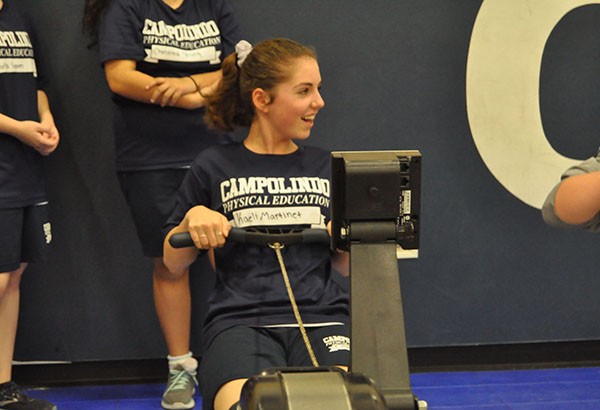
(267, 65)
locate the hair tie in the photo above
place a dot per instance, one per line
(242, 49)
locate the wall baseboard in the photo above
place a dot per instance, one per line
(518, 356)
(422, 359)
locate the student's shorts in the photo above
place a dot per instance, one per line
(241, 352)
(151, 198)
(25, 236)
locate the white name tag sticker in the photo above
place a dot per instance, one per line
(277, 216)
(168, 53)
(18, 65)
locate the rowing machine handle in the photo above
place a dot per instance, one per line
(184, 240)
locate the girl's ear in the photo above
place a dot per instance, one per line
(261, 100)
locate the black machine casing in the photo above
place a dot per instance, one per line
(310, 388)
(372, 186)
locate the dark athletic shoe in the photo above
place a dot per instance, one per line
(180, 390)
(12, 398)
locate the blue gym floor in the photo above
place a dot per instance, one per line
(550, 389)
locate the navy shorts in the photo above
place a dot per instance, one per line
(25, 236)
(151, 198)
(241, 352)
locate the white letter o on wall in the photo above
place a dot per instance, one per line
(503, 74)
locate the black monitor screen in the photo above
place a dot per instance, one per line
(373, 186)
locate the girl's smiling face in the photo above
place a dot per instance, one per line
(296, 101)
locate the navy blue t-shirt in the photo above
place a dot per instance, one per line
(195, 38)
(272, 191)
(21, 168)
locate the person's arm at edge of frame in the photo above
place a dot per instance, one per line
(577, 198)
(124, 79)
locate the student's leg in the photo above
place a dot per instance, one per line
(11, 269)
(232, 357)
(151, 198)
(25, 236)
(9, 315)
(229, 394)
(11, 396)
(173, 306)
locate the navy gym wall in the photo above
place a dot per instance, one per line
(397, 74)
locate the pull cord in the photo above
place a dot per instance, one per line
(277, 248)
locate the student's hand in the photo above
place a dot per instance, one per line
(168, 90)
(51, 138)
(207, 228)
(35, 135)
(340, 258)
(210, 89)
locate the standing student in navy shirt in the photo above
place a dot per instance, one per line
(158, 55)
(267, 181)
(27, 132)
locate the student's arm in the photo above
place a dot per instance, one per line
(575, 201)
(124, 79)
(577, 198)
(42, 136)
(208, 230)
(28, 132)
(340, 260)
(168, 90)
